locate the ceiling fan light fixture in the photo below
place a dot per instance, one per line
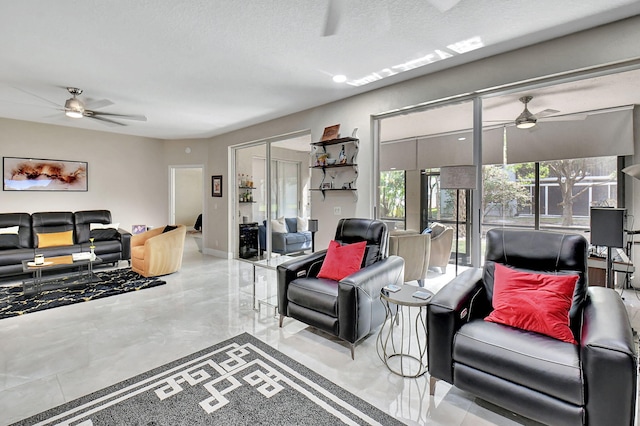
(525, 123)
(526, 120)
(73, 108)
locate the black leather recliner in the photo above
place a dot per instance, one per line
(349, 309)
(548, 380)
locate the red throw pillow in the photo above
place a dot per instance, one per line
(341, 261)
(534, 302)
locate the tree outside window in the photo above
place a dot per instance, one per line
(392, 195)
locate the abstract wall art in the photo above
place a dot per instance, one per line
(34, 174)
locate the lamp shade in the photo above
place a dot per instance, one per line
(458, 177)
(313, 225)
(633, 170)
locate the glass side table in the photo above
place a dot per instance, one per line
(402, 340)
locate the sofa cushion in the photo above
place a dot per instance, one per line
(15, 256)
(87, 220)
(11, 230)
(529, 359)
(317, 294)
(278, 225)
(436, 229)
(103, 247)
(296, 238)
(341, 261)
(47, 222)
(9, 237)
(55, 239)
(533, 301)
(9, 241)
(292, 224)
(302, 224)
(23, 221)
(103, 234)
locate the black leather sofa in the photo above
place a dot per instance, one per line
(350, 308)
(551, 381)
(111, 245)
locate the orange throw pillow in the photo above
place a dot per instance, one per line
(341, 261)
(55, 239)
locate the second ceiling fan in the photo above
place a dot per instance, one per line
(527, 120)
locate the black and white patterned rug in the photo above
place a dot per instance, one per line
(241, 381)
(108, 283)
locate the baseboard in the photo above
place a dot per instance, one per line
(218, 253)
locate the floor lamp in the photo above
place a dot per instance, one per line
(313, 228)
(458, 177)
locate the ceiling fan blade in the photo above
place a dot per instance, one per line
(545, 112)
(97, 103)
(568, 117)
(332, 19)
(93, 114)
(57, 105)
(106, 121)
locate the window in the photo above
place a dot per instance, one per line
(567, 188)
(284, 188)
(392, 198)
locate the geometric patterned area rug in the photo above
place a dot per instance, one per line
(107, 283)
(241, 381)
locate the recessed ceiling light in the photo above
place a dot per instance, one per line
(339, 78)
(462, 139)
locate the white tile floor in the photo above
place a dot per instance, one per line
(53, 356)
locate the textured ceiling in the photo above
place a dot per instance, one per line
(198, 68)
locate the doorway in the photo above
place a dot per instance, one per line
(186, 202)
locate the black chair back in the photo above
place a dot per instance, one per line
(374, 232)
(543, 252)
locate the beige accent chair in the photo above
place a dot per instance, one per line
(415, 249)
(441, 246)
(155, 253)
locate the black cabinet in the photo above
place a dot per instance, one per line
(248, 241)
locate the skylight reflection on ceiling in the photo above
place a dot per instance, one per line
(453, 49)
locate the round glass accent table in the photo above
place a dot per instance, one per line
(402, 340)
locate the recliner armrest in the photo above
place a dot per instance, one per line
(125, 241)
(609, 360)
(278, 242)
(307, 266)
(372, 278)
(448, 310)
(360, 310)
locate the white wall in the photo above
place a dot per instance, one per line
(599, 46)
(126, 174)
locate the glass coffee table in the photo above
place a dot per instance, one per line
(81, 273)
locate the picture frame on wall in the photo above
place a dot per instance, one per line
(216, 186)
(37, 174)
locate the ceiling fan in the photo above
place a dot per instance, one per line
(76, 108)
(527, 120)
